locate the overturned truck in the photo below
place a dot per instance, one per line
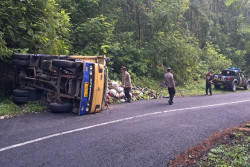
(64, 83)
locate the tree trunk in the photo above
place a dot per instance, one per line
(138, 22)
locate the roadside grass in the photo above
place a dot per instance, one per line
(235, 153)
(8, 108)
(33, 107)
(228, 148)
(197, 88)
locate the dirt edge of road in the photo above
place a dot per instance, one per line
(193, 154)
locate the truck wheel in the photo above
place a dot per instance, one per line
(20, 93)
(234, 87)
(247, 86)
(33, 95)
(21, 56)
(23, 63)
(217, 86)
(20, 99)
(63, 63)
(60, 108)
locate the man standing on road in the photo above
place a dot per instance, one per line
(126, 83)
(209, 80)
(170, 83)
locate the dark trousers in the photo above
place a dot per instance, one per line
(171, 92)
(127, 94)
(208, 86)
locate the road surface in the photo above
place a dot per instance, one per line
(142, 133)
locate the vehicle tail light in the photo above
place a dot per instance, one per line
(229, 78)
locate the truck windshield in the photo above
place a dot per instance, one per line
(228, 73)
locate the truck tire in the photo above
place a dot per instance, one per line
(60, 108)
(234, 87)
(63, 63)
(217, 86)
(21, 56)
(20, 93)
(247, 86)
(33, 95)
(23, 63)
(20, 99)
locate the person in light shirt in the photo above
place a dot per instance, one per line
(170, 83)
(126, 83)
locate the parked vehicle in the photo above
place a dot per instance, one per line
(231, 78)
(64, 83)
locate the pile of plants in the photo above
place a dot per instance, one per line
(116, 93)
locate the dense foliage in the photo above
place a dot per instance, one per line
(191, 36)
(234, 153)
(33, 26)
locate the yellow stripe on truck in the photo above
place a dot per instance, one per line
(98, 88)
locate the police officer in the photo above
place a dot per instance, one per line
(170, 83)
(209, 80)
(126, 83)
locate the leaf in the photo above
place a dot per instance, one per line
(23, 8)
(229, 2)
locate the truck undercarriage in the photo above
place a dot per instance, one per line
(56, 80)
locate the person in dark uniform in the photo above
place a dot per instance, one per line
(209, 80)
(170, 83)
(126, 83)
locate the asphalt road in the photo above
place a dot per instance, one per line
(142, 133)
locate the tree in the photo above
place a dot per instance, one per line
(37, 26)
(219, 23)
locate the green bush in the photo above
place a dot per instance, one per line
(7, 107)
(235, 153)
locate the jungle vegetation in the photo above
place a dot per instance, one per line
(147, 36)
